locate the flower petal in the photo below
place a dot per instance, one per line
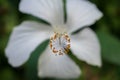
(23, 41)
(57, 66)
(81, 13)
(49, 10)
(86, 47)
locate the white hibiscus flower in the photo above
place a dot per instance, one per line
(54, 61)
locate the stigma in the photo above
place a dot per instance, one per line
(60, 43)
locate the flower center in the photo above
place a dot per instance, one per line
(60, 43)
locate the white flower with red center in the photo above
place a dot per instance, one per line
(54, 61)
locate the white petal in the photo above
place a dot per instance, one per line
(49, 10)
(81, 13)
(60, 66)
(86, 47)
(23, 41)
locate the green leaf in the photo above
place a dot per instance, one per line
(110, 47)
(7, 74)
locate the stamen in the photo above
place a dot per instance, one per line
(60, 43)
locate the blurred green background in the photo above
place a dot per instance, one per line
(107, 29)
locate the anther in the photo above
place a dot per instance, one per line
(54, 50)
(60, 53)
